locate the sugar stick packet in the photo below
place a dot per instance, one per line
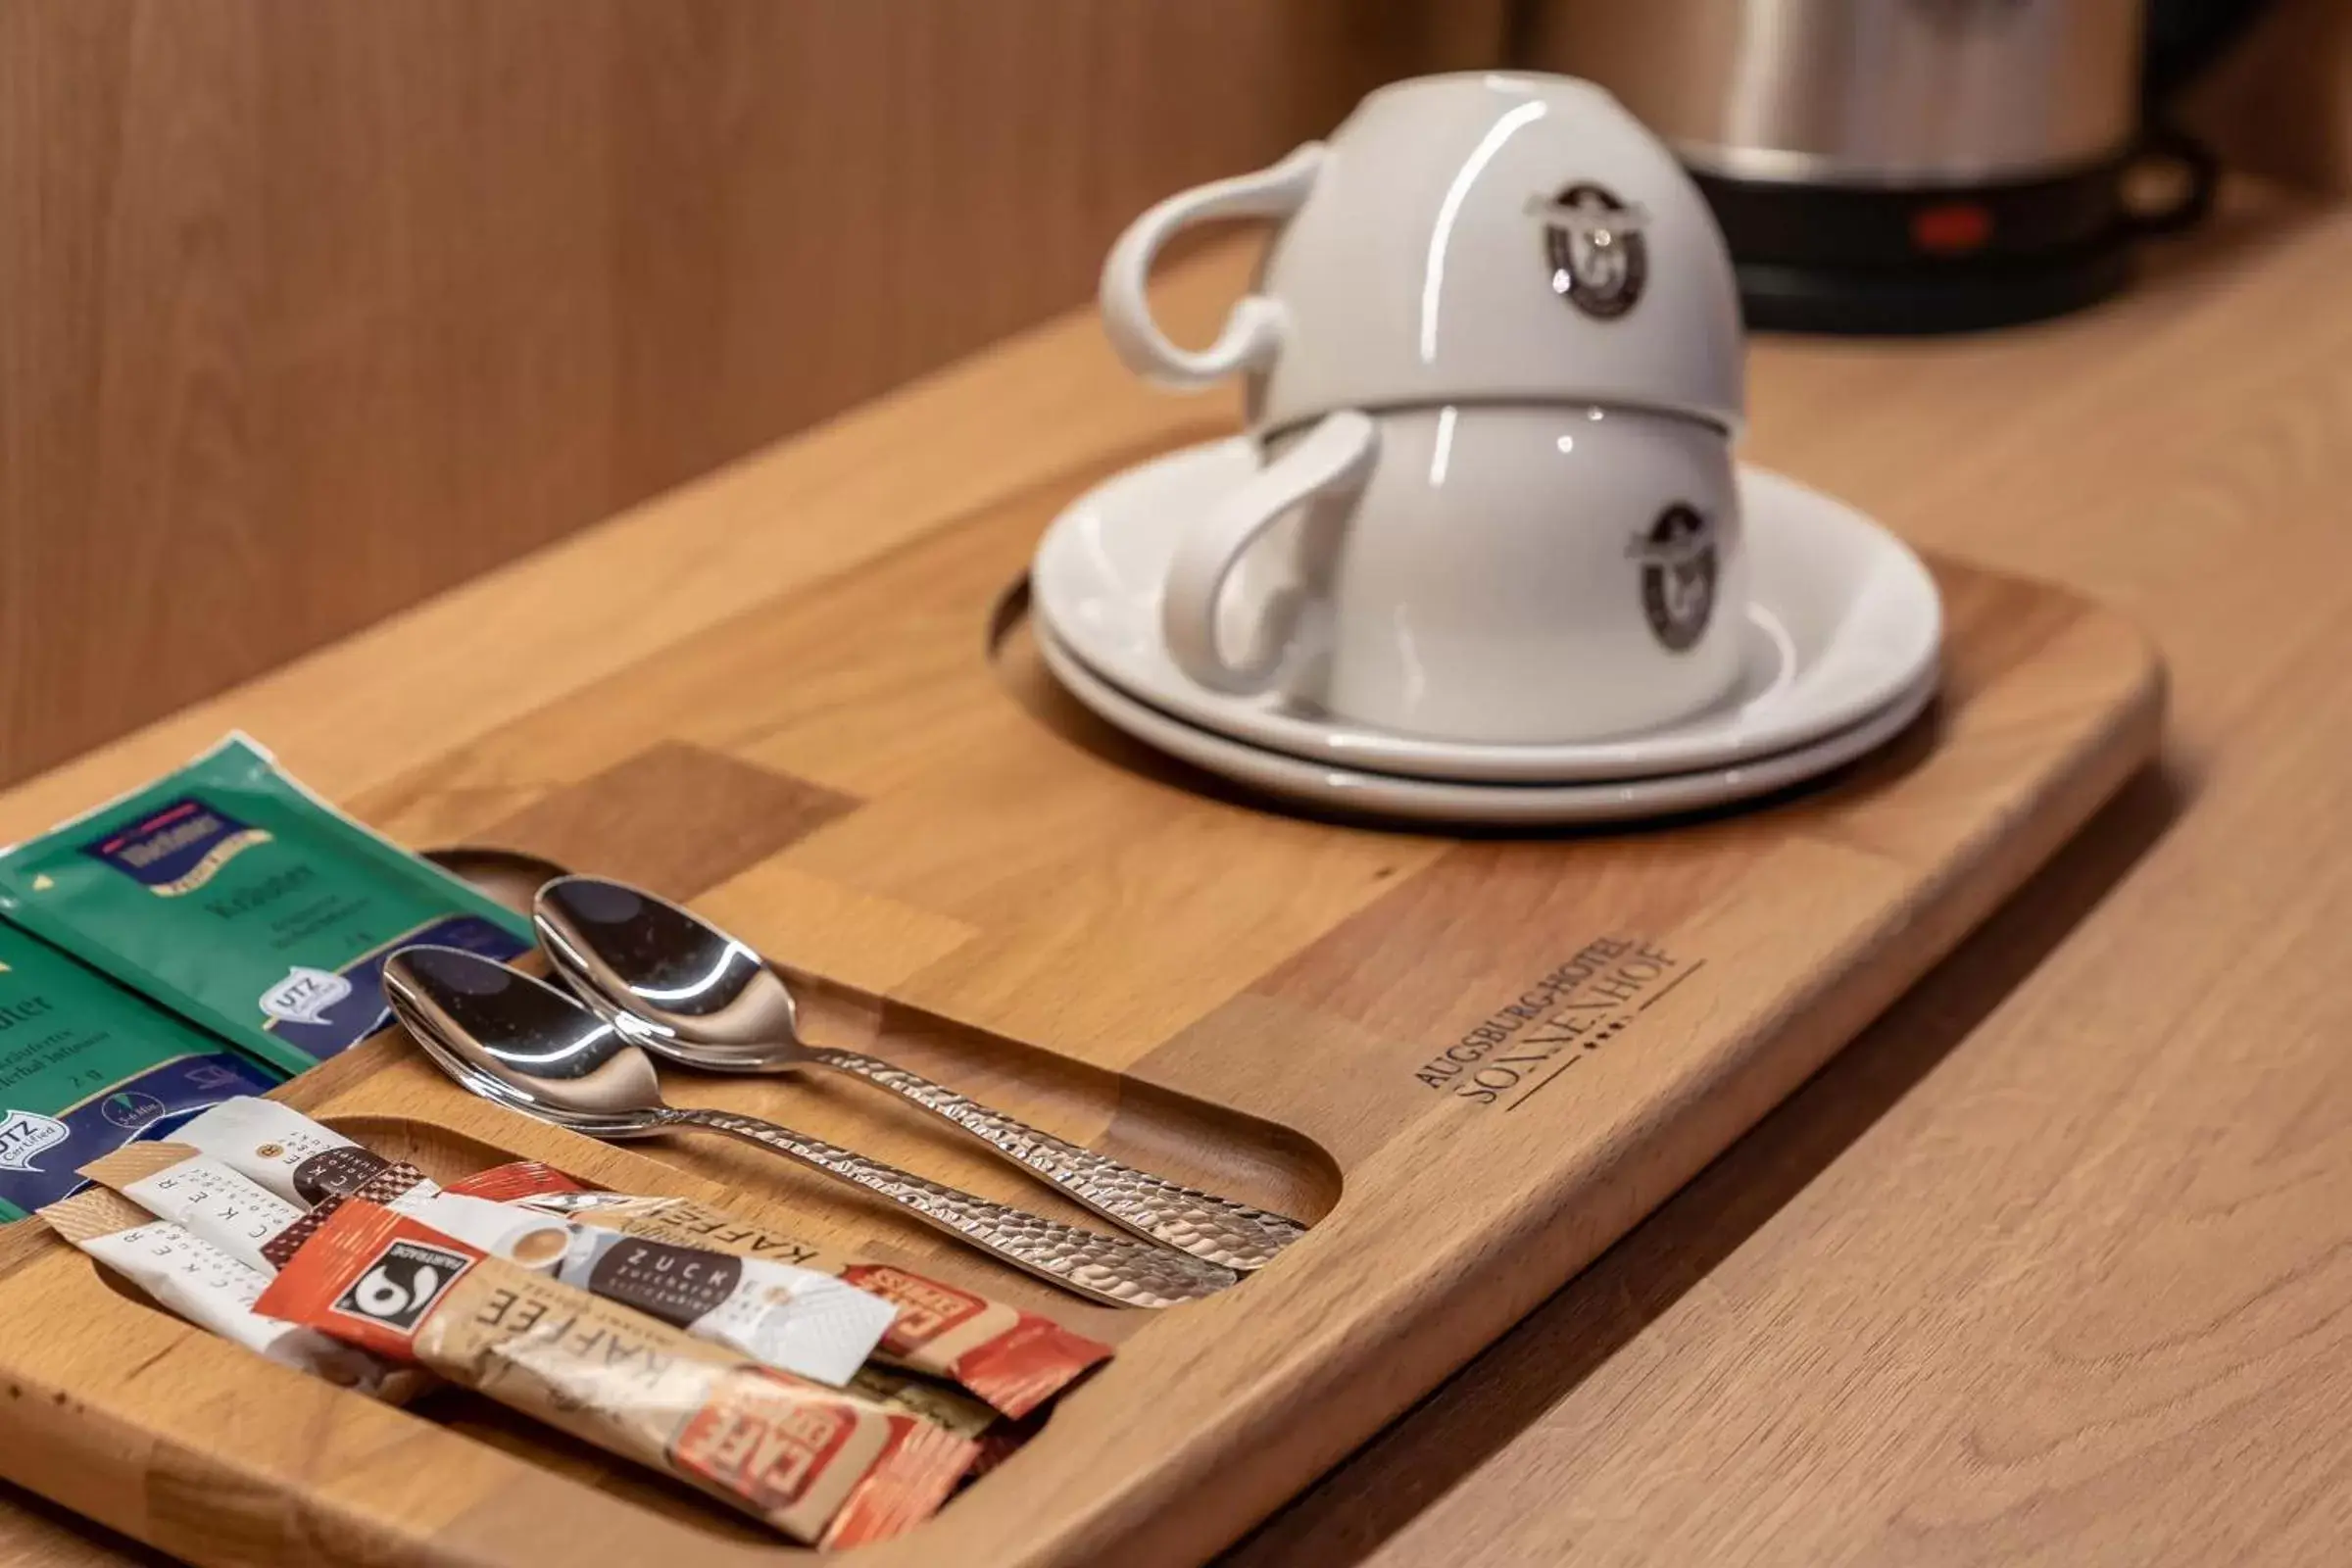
(999, 1437)
(826, 1466)
(195, 1191)
(85, 1067)
(1015, 1361)
(810, 1324)
(281, 1149)
(227, 892)
(199, 1282)
(936, 1403)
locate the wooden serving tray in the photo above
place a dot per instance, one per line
(872, 779)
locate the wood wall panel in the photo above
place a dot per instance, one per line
(2280, 102)
(309, 307)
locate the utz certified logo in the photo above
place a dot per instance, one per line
(1679, 558)
(304, 995)
(1599, 256)
(179, 849)
(24, 1134)
(401, 1285)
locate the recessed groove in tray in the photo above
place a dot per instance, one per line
(1179, 1136)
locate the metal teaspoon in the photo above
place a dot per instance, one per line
(707, 1000)
(524, 1045)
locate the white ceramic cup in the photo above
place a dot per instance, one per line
(1481, 237)
(1489, 574)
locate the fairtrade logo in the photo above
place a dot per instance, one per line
(304, 996)
(1679, 560)
(401, 1283)
(1599, 256)
(24, 1134)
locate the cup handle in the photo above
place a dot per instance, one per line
(1253, 331)
(1335, 458)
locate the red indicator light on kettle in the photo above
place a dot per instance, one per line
(1948, 229)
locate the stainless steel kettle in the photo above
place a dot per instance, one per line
(1894, 164)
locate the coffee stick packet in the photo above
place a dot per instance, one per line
(826, 1466)
(232, 896)
(195, 1191)
(85, 1067)
(1014, 1360)
(797, 1320)
(281, 1151)
(195, 1280)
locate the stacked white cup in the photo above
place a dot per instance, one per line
(1495, 370)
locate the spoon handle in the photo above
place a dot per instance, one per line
(1113, 1269)
(1215, 1229)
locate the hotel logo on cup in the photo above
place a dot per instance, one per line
(1680, 562)
(1599, 257)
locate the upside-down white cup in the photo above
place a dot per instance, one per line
(1478, 238)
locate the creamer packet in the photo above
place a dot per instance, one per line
(174, 1182)
(281, 1151)
(197, 1281)
(230, 894)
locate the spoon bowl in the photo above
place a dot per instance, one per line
(699, 995)
(518, 1041)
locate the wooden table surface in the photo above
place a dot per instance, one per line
(2049, 1267)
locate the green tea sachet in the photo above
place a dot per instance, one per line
(231, 895)
(85, 1067)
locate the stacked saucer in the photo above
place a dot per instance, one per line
(1838, 656)
(1485, 554)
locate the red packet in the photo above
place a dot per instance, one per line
(826, 1466)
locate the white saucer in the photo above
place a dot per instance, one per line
(1845, 620)
(1387, 795)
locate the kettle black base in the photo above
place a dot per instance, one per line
(1826, 258)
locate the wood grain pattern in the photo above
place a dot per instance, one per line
(2280, 102)
(2047, 1268)
(317, 307)
(1237, 997)
(1996, 1285)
